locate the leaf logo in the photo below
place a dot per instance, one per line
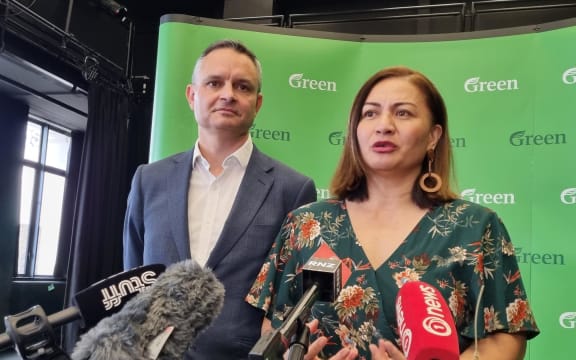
(569, 76)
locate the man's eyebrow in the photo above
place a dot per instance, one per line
(212, 77)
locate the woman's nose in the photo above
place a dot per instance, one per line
(384, 124)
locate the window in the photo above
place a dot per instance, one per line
(44, 172)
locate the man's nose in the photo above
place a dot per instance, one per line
(227, 92)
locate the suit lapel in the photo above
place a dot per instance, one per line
(253, 191)
(177, 182)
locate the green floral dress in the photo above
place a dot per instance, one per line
(456, 247)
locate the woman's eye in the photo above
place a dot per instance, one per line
(368, 114)
(403, 113)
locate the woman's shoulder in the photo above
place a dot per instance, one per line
(323, 205)
(467, 208)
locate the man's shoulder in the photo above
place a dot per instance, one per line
(278, 166)
(168, 161)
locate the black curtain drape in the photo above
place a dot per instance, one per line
(96, 246)
(13, 118)
(68, 206)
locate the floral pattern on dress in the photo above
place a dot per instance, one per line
(461, 248)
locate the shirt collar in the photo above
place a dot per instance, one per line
(242, 155)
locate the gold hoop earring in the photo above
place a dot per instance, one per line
(430, 177)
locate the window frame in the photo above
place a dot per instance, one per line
(40, 170)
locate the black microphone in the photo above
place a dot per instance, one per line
(99, 300)
(115, 9)
(160, 322)
(323, 276)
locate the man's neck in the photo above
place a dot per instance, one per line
(216, 149)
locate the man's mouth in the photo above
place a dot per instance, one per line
(226, 111)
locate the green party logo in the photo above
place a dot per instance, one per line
(458, 142)
(267, 134)
(298, 81)
(568, 196)
(568, 320)
(336, 138)
(569, 76)
(487, 198)
(521, 138)
(475, 85)
(538, 258)
(322, 194)
(339, 137)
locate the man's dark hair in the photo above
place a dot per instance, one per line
(236, 46)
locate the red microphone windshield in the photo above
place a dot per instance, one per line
(425, 324)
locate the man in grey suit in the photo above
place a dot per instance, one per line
(221, 203)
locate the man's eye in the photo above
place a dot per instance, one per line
(212, 83)
(244, 88)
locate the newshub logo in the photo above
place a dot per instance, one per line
(487, 198)
(299, 81)
(475, 85)
(569, 76)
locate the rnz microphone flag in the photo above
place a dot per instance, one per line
(425, 324)
(326, 269)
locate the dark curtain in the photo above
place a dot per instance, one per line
(13, 118)
(96, 246)
(68, 205)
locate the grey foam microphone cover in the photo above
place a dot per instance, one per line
(185, 296)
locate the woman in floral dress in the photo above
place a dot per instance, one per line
(394, 218)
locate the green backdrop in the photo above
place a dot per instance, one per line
(511, 99)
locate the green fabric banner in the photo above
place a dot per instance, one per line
(512, 115)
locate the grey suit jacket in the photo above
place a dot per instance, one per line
(156, 231)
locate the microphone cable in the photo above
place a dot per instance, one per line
(476, 311)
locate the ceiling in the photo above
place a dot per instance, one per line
(62, 102)
(48, 96)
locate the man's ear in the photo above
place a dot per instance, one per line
(259, 100)
(190, 92)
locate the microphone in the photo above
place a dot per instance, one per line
(99, 300)
(426, 327)
(323, 276)
(160, 322)
(115, 9)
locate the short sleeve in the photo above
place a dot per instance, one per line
(277, 282)
(501, 302)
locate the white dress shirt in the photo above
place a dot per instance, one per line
(210, 198)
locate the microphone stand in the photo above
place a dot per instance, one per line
(36, 339)
(300, 341)
(272, 346)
